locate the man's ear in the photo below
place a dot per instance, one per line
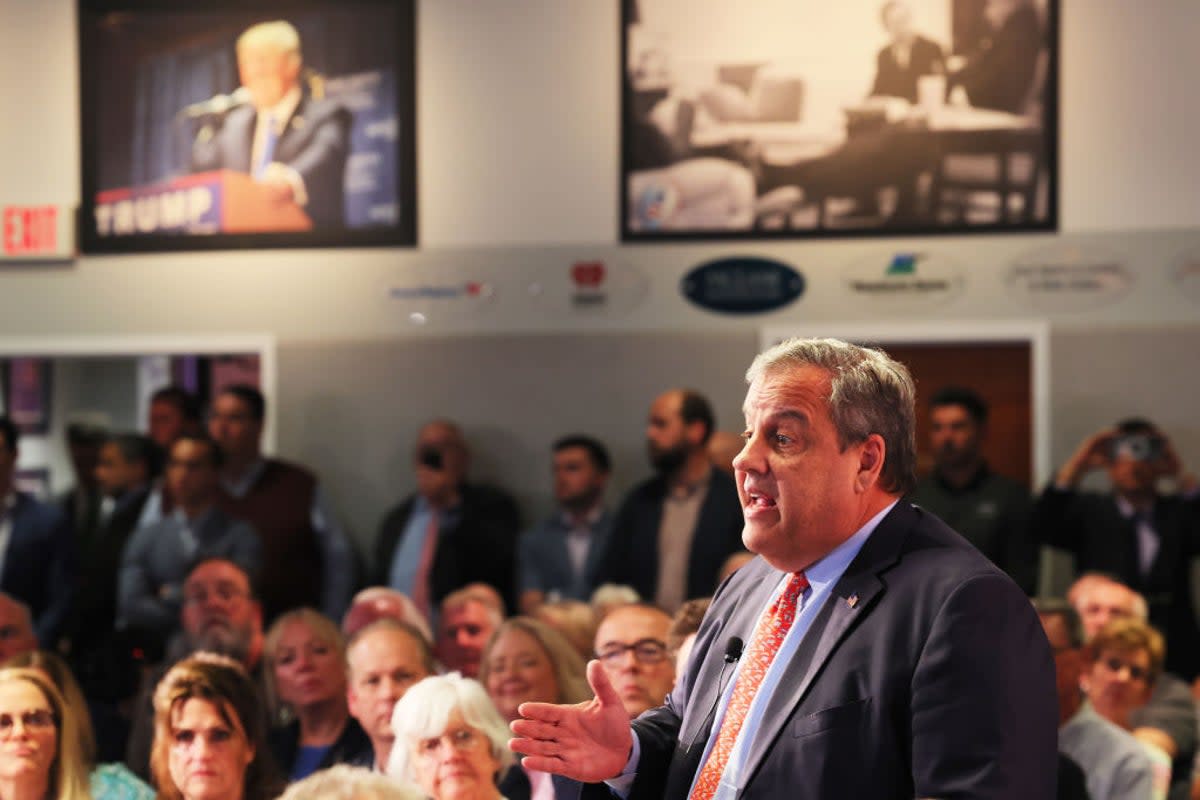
(871, 455)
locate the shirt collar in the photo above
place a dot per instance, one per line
(1129, 510)
(178, 515)
(830, 568)
(975, 482)
(587, 520)
(241, 487)
(282, 111)
(683, 491)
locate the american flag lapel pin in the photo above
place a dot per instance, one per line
(852, 600)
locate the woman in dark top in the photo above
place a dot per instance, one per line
(305, 663)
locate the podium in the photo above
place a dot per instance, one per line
(222, 201)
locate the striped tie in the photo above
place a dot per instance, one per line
(768, 637)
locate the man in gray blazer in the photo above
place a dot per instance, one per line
(869, 651)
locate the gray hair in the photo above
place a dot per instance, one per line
(344, 782)
(279, 34)
(425, 710)
(870, 393)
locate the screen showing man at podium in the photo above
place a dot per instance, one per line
(209, 121)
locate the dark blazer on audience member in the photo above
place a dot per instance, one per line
(478, 543)
(893, 80)
(39, 565)
(632, 557)
(925, 674)
(1091, 527)
(515, 785)
(351, 747)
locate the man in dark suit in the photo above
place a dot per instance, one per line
(450, 532)
(674, 531)
(294, 143)
(1001, 70)
(1141, 537)
(869, 651)
(907, 57)
(36, 548)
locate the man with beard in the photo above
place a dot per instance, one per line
(989, 510)
(220, 614)
(557, 560)
(675, 530)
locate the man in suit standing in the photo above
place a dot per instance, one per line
(869, 651)
(558, 559)
(674, 531)
(293, 143)
(37, 559)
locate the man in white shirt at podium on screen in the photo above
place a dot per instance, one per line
(283, 134)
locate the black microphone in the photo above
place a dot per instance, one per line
(733, 652)
(217, 104)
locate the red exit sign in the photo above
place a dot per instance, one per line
(27, 231)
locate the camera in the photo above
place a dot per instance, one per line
(1137, 446)
(431, 457)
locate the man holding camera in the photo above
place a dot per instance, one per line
(450, 532)
(1141, 537)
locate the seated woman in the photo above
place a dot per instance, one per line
(46, 763)
(305, 660)
(106, 781)
(528, 661)
(210, 733)
(450, 741)
(344, 782)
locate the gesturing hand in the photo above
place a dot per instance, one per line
(588, 742)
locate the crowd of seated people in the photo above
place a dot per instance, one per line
(143, 650)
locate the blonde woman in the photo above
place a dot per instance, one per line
(41, 757)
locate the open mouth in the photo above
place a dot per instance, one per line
(758, 500)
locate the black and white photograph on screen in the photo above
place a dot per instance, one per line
(217, 124)
(805, 118)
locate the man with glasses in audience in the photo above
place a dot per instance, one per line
(631, 643)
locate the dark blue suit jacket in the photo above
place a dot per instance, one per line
(925, 674)
(39, 565)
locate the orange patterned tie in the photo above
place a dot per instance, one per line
(768, 638)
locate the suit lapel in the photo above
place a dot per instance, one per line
(854, 596)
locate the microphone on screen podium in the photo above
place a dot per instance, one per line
(217, 104)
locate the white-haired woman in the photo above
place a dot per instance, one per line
(450, 740)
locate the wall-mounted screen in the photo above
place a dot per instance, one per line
(218, 124)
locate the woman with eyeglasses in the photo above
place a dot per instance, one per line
(107, 781)
(210, 734)
(450, 740)
(39, 745)
(528, 661)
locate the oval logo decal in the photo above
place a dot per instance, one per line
(742, 285)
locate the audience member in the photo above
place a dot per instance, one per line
(105, 779)
(221, 614)
(174, 412)
(906, 57)
(83, 502)
(158, 558)
(1169, 717)
(574, 619)
(682, 633)
(723, 447)
(377, 602)
(1114, 764)
(528, 661)
(40, 759)
(558, 559)
(210, 738)
(344, 782)
(1142, 538)
(16, 628)
(37, 561)
(467, 620)
(631, 643)
(307, 560)
(673, 532)
(449, 740)
(304, 659)
(383, 660)
(609, 596)
(988, 509)
(450, 532)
